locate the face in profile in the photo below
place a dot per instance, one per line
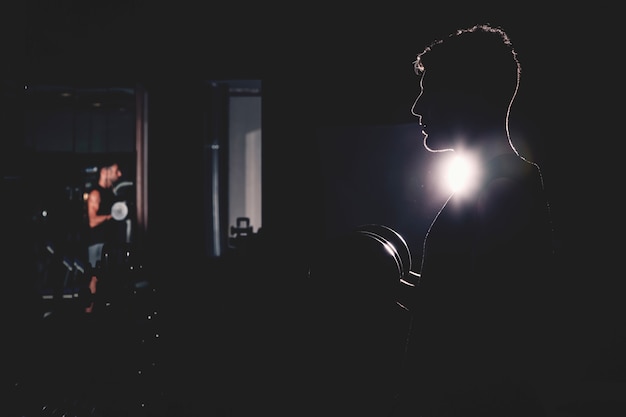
(112, 174)
(444, 110)
(466, 87)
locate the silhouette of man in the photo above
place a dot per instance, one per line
(473, 343)
(102, 227)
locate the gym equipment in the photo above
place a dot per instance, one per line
(243, 227)
(124, 192)
(242, 234)
(124, 189)
(372, 259)
(119, 210)
(122, 209)
(393, 243)
(358, 307)
(65, 287)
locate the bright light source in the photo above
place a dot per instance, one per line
(457, 173)
(460, 173)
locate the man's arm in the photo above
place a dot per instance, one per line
(93, 204)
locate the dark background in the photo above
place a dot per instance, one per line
(327, 68)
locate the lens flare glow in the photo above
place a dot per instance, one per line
(460, 173)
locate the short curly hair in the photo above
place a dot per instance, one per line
(482, 52)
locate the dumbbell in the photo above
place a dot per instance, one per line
(372, 260)
(360, 298)
(123, 191)
(399, 250)
(119, 210)
(392, 243)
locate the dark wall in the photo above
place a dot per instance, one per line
(336, 68)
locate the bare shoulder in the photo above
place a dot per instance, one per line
(94, 195)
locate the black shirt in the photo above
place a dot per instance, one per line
(105, 231)
(479, 301)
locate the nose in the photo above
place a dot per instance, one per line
(415, 109)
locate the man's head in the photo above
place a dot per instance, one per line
(468, 81)
(110, 173)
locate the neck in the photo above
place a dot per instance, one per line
(488, 148)
(500, 148)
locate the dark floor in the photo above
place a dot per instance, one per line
(192, 340)
(239, 339)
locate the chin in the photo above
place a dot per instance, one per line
(436, 146)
